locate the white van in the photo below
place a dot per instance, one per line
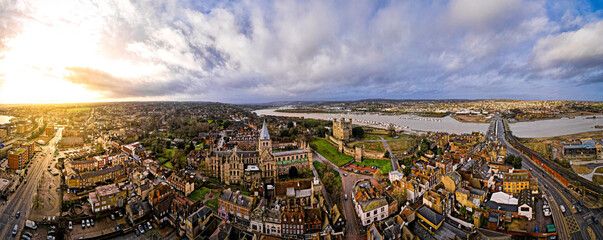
(562, 208)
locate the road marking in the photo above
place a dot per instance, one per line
(573, 225)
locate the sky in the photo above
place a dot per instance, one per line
(262, 51)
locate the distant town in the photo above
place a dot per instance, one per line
(309, 170)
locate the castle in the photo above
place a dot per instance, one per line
(263, 165)
(342, 129)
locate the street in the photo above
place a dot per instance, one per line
(574, 224)
(21, 200)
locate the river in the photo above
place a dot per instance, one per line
(535, 129)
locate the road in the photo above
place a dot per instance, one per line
(353, 229)
(574, 224)
(21, 200)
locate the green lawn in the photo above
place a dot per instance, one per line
(330, 152)
(168, 165)
(384, 165)
(213, 204)
(199, 194)
(370, 137)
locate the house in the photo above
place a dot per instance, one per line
(514, 182)
(451, 181)
(293, 221)
(429, 219)
(235, 207)
(138, 210)
(194, 222)
(525, 203)
(181, 184)
(107, 197)
(371, 202)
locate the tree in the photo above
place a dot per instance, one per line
(407, 171)
(190, 148)
(514, 160)
(463, 210)
(168, 144)
(180, 145)
(378, 175)
(399, 194)
(306, 172)
(386, 155)
(37, 201)
(358, 132)
(391, 130)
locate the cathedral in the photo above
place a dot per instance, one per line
(263, 165)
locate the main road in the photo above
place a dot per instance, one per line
(21, 200)
(574, 224)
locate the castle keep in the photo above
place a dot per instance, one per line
(342, 129)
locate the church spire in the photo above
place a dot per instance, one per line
(264, 135)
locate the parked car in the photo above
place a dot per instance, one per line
(345, 174)
(579, 209)
(562, 208)
(83, 224)
(23, 237)
(92, 222)
(145, 227)
(18, 214)
(15, 229)
(70, 225)
(50, 233)
(140, 228)
(137, 232)
(595, 220)
(87, 223)
(28, 234)
(581, 204)
(150, 225)
(345, 197)
(117, 227)
(112, 217)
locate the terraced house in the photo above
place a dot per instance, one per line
(372, 203)
(235, 207)
(514, 182)
(89, 179)
(248, 167)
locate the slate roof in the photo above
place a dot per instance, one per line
(264, 135)
(434, 217)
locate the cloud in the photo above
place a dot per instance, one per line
(241, 51)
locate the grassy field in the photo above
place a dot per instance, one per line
(370, 137)
(330, 152)
(598, 179)
(399, 146)
(581, 169)
(539, 147)
(199, 194)
(80, 109)
(213, 204)
(372, 146)
(384, 165)
(168, 165)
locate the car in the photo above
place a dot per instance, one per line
(137, 232)
(345, 197)
(18, 214)
(140, 228)
(87, 223)
(562, 208)
(150, 226)
(117, 227)
(566, 190)
(70, 225)
(345, 174)
(23, 237)
(28, 234)
(51, 232)
(52, 238)
(15, 229)
(536, 231)
(595, 220)
(112, 217)
(83, 224)
(92, 222)
(145, 227)
(581, 204)
(579, 209)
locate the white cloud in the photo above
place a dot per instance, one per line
(585, 44)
